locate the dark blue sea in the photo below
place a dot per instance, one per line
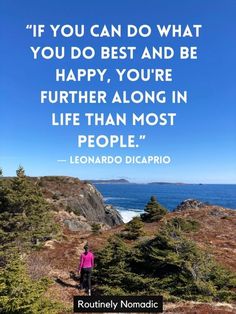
(130, 199)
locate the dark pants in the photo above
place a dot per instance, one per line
(85, 278)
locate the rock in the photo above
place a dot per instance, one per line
(113, 217)
(50, 244)
(219, 212)
(82, 218)
(76, 225)
(82, 198)
(189, 204)
(72, 221)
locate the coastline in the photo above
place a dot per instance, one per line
(130, 199)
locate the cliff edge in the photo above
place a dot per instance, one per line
(78, 197)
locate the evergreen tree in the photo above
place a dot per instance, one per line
(20, 172)
(153, 211)
(113, 273)
(133, 229)
(111, 261)
(168, 264)
(181, 268)
(25, 216)
(21, 295)
(96, 228)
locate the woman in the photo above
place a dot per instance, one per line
(85, 269)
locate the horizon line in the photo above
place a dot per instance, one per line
(128, 181)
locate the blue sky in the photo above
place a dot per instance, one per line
(202, 143)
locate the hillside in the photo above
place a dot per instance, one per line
(216, 234)
(80, 198)
(48, 220)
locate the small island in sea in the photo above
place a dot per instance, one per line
(113, 181)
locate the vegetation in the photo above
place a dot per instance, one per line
(25, 222)
(185, 224)
(133, 229)
(153, 211)
(19, 294)
(25, 217)
(96, 228)
(169, 264)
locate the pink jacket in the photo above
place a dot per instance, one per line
(86, 260)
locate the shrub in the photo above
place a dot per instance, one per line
(24, 214)
(168, 264)
(185, 224)
(20, 294)
(96, 228)
(153, 211)
(133, 229)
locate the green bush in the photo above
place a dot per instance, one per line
(25, 217)
(21, 295)
(133, 229)
(185, 224)
(153, 211)
(96, 228)
(168, 264)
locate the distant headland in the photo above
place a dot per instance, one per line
(118, 181)
(124, 181)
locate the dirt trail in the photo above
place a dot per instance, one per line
(59, 261)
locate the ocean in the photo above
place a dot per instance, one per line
(130, 199)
